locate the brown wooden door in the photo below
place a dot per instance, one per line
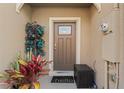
(64, 45)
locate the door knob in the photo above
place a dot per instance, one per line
(55, 46)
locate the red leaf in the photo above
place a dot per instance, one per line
(34, 59)
(39, 58)
(23, 70)
(40, 68)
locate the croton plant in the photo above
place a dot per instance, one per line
(25, 75)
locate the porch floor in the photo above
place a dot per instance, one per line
(45, 82)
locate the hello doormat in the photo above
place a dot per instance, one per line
(62, 79)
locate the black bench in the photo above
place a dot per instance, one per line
(84, 76)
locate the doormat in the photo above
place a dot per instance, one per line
(62, 79)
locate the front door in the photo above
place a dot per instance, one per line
(64, 45)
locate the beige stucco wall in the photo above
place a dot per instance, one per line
(113, 41)
(121, 83)
(96, 48)
(12, 32)
(42, 15)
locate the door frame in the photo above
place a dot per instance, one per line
(77, 20)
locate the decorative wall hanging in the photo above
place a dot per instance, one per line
(34, 42)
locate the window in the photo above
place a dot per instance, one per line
(64, 30)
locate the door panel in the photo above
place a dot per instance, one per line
(64, 45)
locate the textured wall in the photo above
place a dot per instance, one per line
(12, 32)
(121, 85)
(110, 52)
(96, 47)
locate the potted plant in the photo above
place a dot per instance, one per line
(25, 74)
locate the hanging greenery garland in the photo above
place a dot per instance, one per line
(34, 42)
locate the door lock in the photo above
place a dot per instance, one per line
(55, 46)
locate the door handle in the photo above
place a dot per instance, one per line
(55, 46)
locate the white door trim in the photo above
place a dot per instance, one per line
(51, 38)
